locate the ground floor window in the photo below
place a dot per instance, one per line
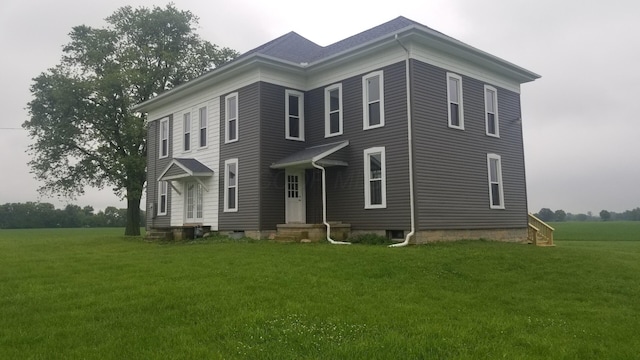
(375, 184)
(496, 194)
(231, 185)
(162, 198)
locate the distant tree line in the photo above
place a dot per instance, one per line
(33, 215)
(546, 214)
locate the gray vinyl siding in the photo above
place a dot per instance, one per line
(246, 150)
(155, 167)
(174, 170)
(451, 165)
(274, 147)
(345, 185)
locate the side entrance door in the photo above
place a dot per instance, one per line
(295, 202)
(193, 203)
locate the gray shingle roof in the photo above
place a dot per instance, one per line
(295, 48)
(194, 165)
(314, 153)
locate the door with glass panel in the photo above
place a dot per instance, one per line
(193, 211)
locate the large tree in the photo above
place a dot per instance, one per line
(84, 131)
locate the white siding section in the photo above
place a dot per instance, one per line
(209, 155)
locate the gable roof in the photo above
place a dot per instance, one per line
(183, 168)
(297, 52)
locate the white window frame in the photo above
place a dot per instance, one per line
(498, 181)
(227, 186)
(186, 132)
(163, 137)
(460, 102)
(366, 124)
(327, 110)
(487, 89)
(367, 177)
(163, 190)
(203, 125)
(227, 119)
(300, 96)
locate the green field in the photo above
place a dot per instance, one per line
(93, 294)
(598, 230)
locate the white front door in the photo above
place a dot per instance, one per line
(295, 203)
(193, 203)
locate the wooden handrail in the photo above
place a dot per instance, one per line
(541, 228)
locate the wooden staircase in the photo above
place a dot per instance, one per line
(539, 234)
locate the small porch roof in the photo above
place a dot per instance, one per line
(184, 168)
(318, 153)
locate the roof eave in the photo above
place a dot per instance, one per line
(215, 74)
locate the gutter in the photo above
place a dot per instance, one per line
(410, 145)
(324, 205)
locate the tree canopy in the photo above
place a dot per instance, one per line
(84, 131)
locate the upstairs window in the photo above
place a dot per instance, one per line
(333, 110)
(186, 127)
(375, 182)
(454, 98)
(491, 111)
(496, 194)
(231, 185)
(203, 126)
(164, 138)
(294, 121)
(373, 100)
(231, 118)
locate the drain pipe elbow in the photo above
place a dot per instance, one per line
(324, 206)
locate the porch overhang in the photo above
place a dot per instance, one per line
(182, 169)
(305, 158)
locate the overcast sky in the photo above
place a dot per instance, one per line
(581, 119)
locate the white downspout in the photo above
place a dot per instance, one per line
(324, 206)
(410, 144)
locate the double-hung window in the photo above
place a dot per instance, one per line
(375, 182)
(164, 138)
(333, 110)
(454, 100)
(373, 100)
(491, 111)
(496, 194)
(162, 198)
(203, 126)
(186, 127)
(231, 185)
(294, 121)
(231, 118)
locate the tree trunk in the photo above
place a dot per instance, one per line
(133, 216)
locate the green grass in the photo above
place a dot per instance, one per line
(597, 230)
(93, 294)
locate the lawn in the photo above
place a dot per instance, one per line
(93, 294)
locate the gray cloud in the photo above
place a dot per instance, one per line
(580, 120)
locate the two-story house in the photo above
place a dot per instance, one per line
(399, 130)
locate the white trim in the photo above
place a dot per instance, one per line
(366, 101)
(489, 88)
(163, 189)
(367, 178)
(300, 96)
(186, 118)
(460, 101)
(227, 185)
(205, 127)
(498, 180)
(227, 119)
(327, 109)
(163, 125)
